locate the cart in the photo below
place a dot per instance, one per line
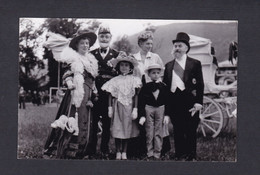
(219, 101)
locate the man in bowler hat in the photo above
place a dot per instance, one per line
(183, 77)
(103, 54)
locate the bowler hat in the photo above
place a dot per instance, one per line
(83, 33)
(182, 37)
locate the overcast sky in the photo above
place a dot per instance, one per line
(121, 27)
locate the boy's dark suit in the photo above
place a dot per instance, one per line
(146, 96)
(180, 102)
(101, 106)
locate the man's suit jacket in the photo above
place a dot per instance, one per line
(193, 78)
(103, 68)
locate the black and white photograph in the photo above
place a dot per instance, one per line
(127, 89)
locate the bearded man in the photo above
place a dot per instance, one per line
(183, 77)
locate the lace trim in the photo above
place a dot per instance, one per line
(123, 88)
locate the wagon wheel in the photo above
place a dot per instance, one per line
(211, 118)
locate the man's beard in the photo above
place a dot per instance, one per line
(177, 54)
(104, 45)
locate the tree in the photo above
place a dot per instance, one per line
(149, 27)
(123, 44)
(66, 27)
(30, 66)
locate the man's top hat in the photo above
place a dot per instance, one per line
(182, 37)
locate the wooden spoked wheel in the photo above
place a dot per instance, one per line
(211, 118)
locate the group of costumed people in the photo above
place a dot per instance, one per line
(134, 97)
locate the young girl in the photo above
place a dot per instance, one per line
(123, 103)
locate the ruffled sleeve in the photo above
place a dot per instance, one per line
(123, 88)
(110, 86)
(137, 83)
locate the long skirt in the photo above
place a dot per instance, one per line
(63, 144)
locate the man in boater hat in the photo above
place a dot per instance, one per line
(103, 54)
(183, 77)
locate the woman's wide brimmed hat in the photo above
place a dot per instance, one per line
(123, 57)
(182, 37)
(153, 66)
(83, 32)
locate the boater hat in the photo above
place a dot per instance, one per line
(83, 32)
(123, 57)
(182, 37)
(153, 66)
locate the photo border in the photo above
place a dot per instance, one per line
(247, 14)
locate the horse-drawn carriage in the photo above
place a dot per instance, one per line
(220, 101)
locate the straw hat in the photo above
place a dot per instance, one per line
(153, 66)
(123, 57)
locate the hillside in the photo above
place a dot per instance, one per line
(221, 36)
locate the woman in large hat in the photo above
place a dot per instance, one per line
(71, 131)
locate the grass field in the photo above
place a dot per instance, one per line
(34, 127)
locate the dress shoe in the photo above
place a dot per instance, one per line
(118, 156)
(124, 157)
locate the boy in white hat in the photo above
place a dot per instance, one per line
(152, 109)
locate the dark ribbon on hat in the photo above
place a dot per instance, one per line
(178, 70)
(103, 50)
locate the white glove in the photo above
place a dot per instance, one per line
(134, 114)
(70, 85)
(142, 120)
(110, 111)
(197, 107)
(166, 120)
